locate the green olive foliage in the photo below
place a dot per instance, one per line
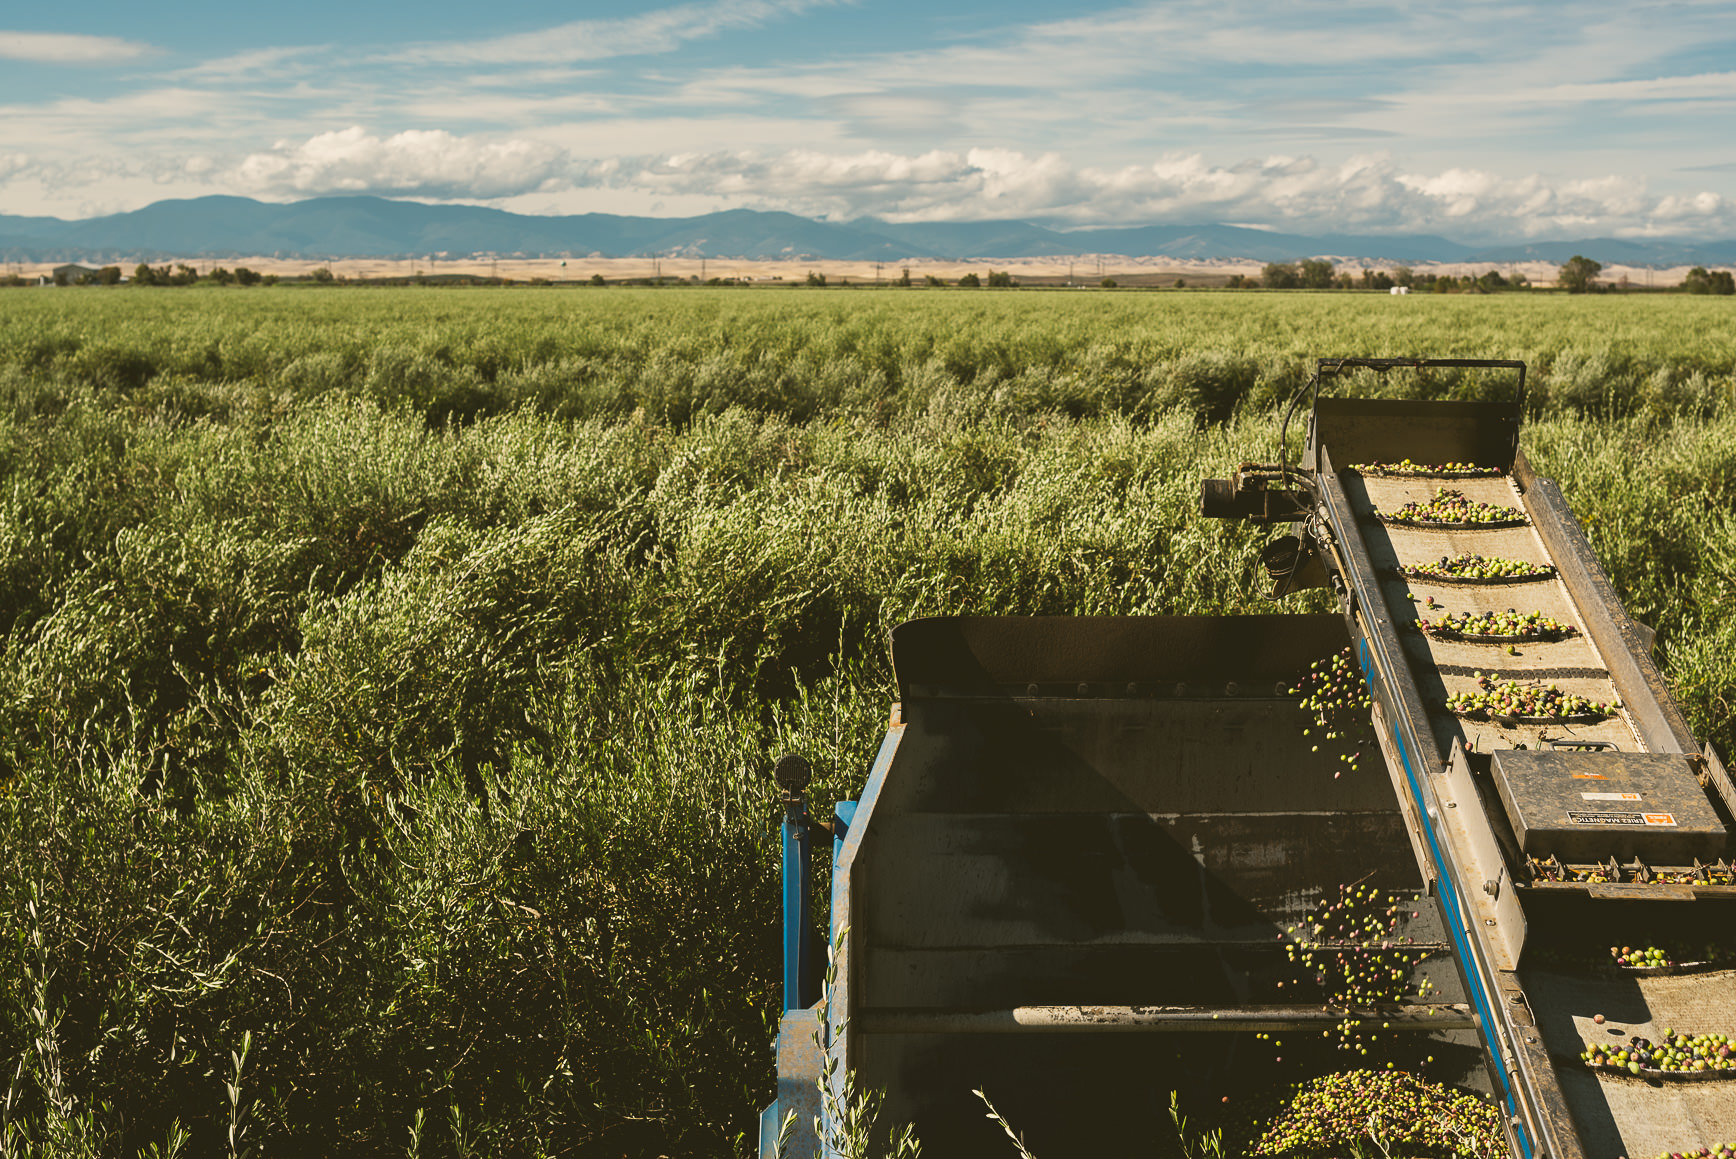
(391, 676)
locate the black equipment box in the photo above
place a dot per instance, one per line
(1590, 806)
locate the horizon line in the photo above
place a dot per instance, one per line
(1276, 232)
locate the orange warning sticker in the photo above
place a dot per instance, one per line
(1660, 818)
(1588, 776)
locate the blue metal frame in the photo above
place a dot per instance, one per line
(800, 990)
(801, 1061)
(1461, 941)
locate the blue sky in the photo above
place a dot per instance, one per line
(1470, 119)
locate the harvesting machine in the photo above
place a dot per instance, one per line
(1088, 850)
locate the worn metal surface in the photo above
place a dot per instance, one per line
(1485, 874)
(1373, 430)
(1152, 652)
(1631, 1116)
(1125, 845)
(1586, 806)
(799, 1066)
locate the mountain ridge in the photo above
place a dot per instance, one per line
(364, 226)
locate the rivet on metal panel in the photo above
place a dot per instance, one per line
(1180, 688)
(1132, 688)
(1452, 804)
(1084, 689)
(1030, 690)
(1280, 688)
(1488, 921)
(1230, 689)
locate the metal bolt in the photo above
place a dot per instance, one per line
(1231, 688)
(1084, 689)
(1030, 690)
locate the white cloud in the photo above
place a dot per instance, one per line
(257, 63)
(423, 163)
(1366, 193)
(653, 32)
(68, 48)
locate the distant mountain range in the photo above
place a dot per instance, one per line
(329, 227)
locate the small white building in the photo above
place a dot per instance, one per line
(1399, 290)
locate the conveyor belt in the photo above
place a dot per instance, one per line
(1440, 667)
(1514, 934)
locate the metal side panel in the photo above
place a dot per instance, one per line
(1488, 887)
(845, 967)
(798, 1088)
(1107, 653)
(1408, 807)
(1381, 430)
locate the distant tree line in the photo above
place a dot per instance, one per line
(1700, 281)
(185, 275)
(1318, 274)
(1578, 275)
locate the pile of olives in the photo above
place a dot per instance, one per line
(1507, 625)
(1454, 508)
(1471, 568)
(1351, 952)
(1336, 695)
(1339, 1111)
(1511, 698)
(1716, 1151)
(1405, 467)
(1677, 1054)
(1651, 956)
